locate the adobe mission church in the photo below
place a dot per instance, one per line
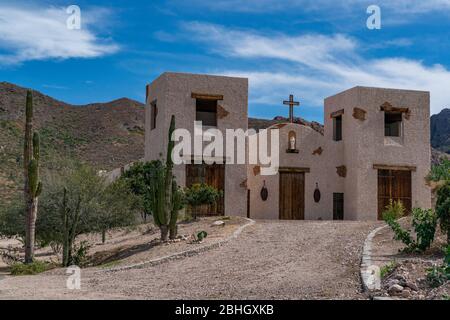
(375, 146)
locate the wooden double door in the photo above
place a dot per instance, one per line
(395, 185)
(292, 196)
(213, 175)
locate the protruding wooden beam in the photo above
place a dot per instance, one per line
(206, 96)
(294, 169)
(337, 113)
(394, 167)
(387, 107)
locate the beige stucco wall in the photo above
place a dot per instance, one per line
(321, 171)
(364, 145)
(173, 94)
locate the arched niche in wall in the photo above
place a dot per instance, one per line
(292, 142)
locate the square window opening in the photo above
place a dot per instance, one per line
(206, 112)
(392, 124)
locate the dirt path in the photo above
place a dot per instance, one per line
(270, 260)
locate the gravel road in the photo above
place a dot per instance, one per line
(269, 260)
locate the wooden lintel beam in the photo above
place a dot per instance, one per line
(337, 113)
(294, 169)
(394, 109)
(394, 167)
(206, 96)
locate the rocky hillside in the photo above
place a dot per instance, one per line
(105, 135)
(440, 131)
(259, 124)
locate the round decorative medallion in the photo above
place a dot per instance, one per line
(317, 193)
(264, 192)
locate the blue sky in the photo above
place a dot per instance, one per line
(311, 49)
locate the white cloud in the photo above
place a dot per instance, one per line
(316, 66)
(264, 6)
(32, 33)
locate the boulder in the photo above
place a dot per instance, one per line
(412, 286)
(406, 294)
(395, 289)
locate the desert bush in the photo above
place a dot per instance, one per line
(424, 223)
(12, 219)
(117, 208)
(440, 172)
(443, 209)
(80, 254)
(387, 269)
(438, 275)
(75, 201)
(201, 235)
(394, 211)
(200, 194)
(20, 269)
(10, 256)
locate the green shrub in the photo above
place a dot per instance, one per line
(20, 269)
(424, 223)
(80, 254)
(387, 269)
(75, 201)
(201, 235)
(199, 194)
(395, 210)
(443, 209)
(440, 172)
(438, 275)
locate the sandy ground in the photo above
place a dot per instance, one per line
(133, 245)
(269, 260)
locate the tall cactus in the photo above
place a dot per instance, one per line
(32, 187)
(166, 200)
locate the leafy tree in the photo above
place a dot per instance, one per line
(12, 220)
(139, 177)
(74, 202)
(118, 206)
(443, 209)
(160, 195)
(201, 194)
